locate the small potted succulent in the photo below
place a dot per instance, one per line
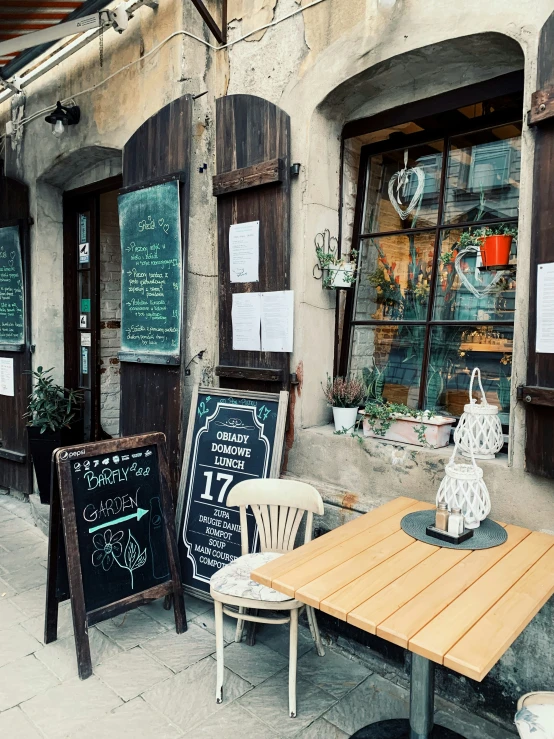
(344, 396)
(496, 244)
(398, 422)
(53, 413)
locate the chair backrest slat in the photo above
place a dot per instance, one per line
(278, 507)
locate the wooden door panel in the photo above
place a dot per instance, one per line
(15, 461)
(539, 458)
(252, 184)
(151, 394)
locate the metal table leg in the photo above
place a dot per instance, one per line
(422, 706)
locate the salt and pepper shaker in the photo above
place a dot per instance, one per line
(456, 522)
(441, 517)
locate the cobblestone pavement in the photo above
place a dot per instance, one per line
(150, 683)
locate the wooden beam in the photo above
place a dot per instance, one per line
(250, 373)
(542, 106)
(263, 173)
(533, 395)
(219, 33)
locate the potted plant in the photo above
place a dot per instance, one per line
(338, 272)
(397, 422)
(344, 396)
(53, 413)
(496, 244)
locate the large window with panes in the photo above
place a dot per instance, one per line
(425, 309)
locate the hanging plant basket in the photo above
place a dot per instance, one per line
(479, 431)
(463, 487)
(342, 275)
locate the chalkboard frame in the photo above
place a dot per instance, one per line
(154, 357)
(63, 509)
(23, 249)
(282, 398)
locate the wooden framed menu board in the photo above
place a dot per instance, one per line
(232, 435)
(151, 284)
(120, 548)
(12, 301)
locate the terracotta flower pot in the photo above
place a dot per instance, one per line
(496, 250)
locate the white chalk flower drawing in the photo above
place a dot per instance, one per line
(108, 549)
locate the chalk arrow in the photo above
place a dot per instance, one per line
(140, 512)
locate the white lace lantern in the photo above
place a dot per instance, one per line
(479, 431)
(463, 487)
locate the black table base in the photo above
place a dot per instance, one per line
(399, 728)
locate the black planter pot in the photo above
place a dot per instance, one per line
(42, 446)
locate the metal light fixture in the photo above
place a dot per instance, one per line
(63, 116)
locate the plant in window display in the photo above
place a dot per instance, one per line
(374, 382)
(504, 384)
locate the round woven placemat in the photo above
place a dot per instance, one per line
(489, 534)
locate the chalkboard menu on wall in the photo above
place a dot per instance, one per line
(119, 534)
(232, 436)
(150, 228)
(12, 330)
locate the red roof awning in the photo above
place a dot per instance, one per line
(18, 17)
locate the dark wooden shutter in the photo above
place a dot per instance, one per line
(538, 393)
(252, 183)
(15, 463)
(151, 394)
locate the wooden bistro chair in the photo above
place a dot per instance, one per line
(278, 507)
(535, 716)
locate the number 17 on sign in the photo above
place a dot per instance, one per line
(228, 479)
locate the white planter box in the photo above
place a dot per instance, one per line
(341, 274)
(403, 429)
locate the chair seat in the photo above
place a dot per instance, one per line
(536, 721)
(234, 578)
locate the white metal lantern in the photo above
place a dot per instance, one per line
(479, 431)
(463, 487)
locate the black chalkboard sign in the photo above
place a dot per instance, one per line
(150, 232)
(119, 534)
(232, 436)
(12, 331)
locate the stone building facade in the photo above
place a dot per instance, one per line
(326, 64)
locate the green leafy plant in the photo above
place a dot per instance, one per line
(374, 381)
(51, 407)
(328, 261)
(380, 417)
(500, 229)
(343, 393)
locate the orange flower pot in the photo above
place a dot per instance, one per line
(496, 250)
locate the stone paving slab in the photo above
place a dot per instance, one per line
(22, 680)
(188, 698)
(150, 683)
(270, 702)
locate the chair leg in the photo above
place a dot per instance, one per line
(219, 650)
(315, 631)
(293, 655)
(240, 625)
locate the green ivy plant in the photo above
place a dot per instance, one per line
(380, 417)
(51, 407)
(501, 229)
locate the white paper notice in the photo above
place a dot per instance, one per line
(545, 309)
(6, 376)
(277, 321)
(244, 251)
(245, 316)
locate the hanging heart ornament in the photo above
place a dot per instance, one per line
(400, 180)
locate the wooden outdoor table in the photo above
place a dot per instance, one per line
(458, 608)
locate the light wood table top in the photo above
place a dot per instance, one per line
(459, 608)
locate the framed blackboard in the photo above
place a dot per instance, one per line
(232, 436)
(12, 302)
(119, 534)
(151, 284)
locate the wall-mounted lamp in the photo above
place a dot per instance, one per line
(63, 116)
(295, 169)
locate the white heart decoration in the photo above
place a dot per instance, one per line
(400, 179)
(488, 289)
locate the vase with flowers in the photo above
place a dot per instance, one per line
(344, 396)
